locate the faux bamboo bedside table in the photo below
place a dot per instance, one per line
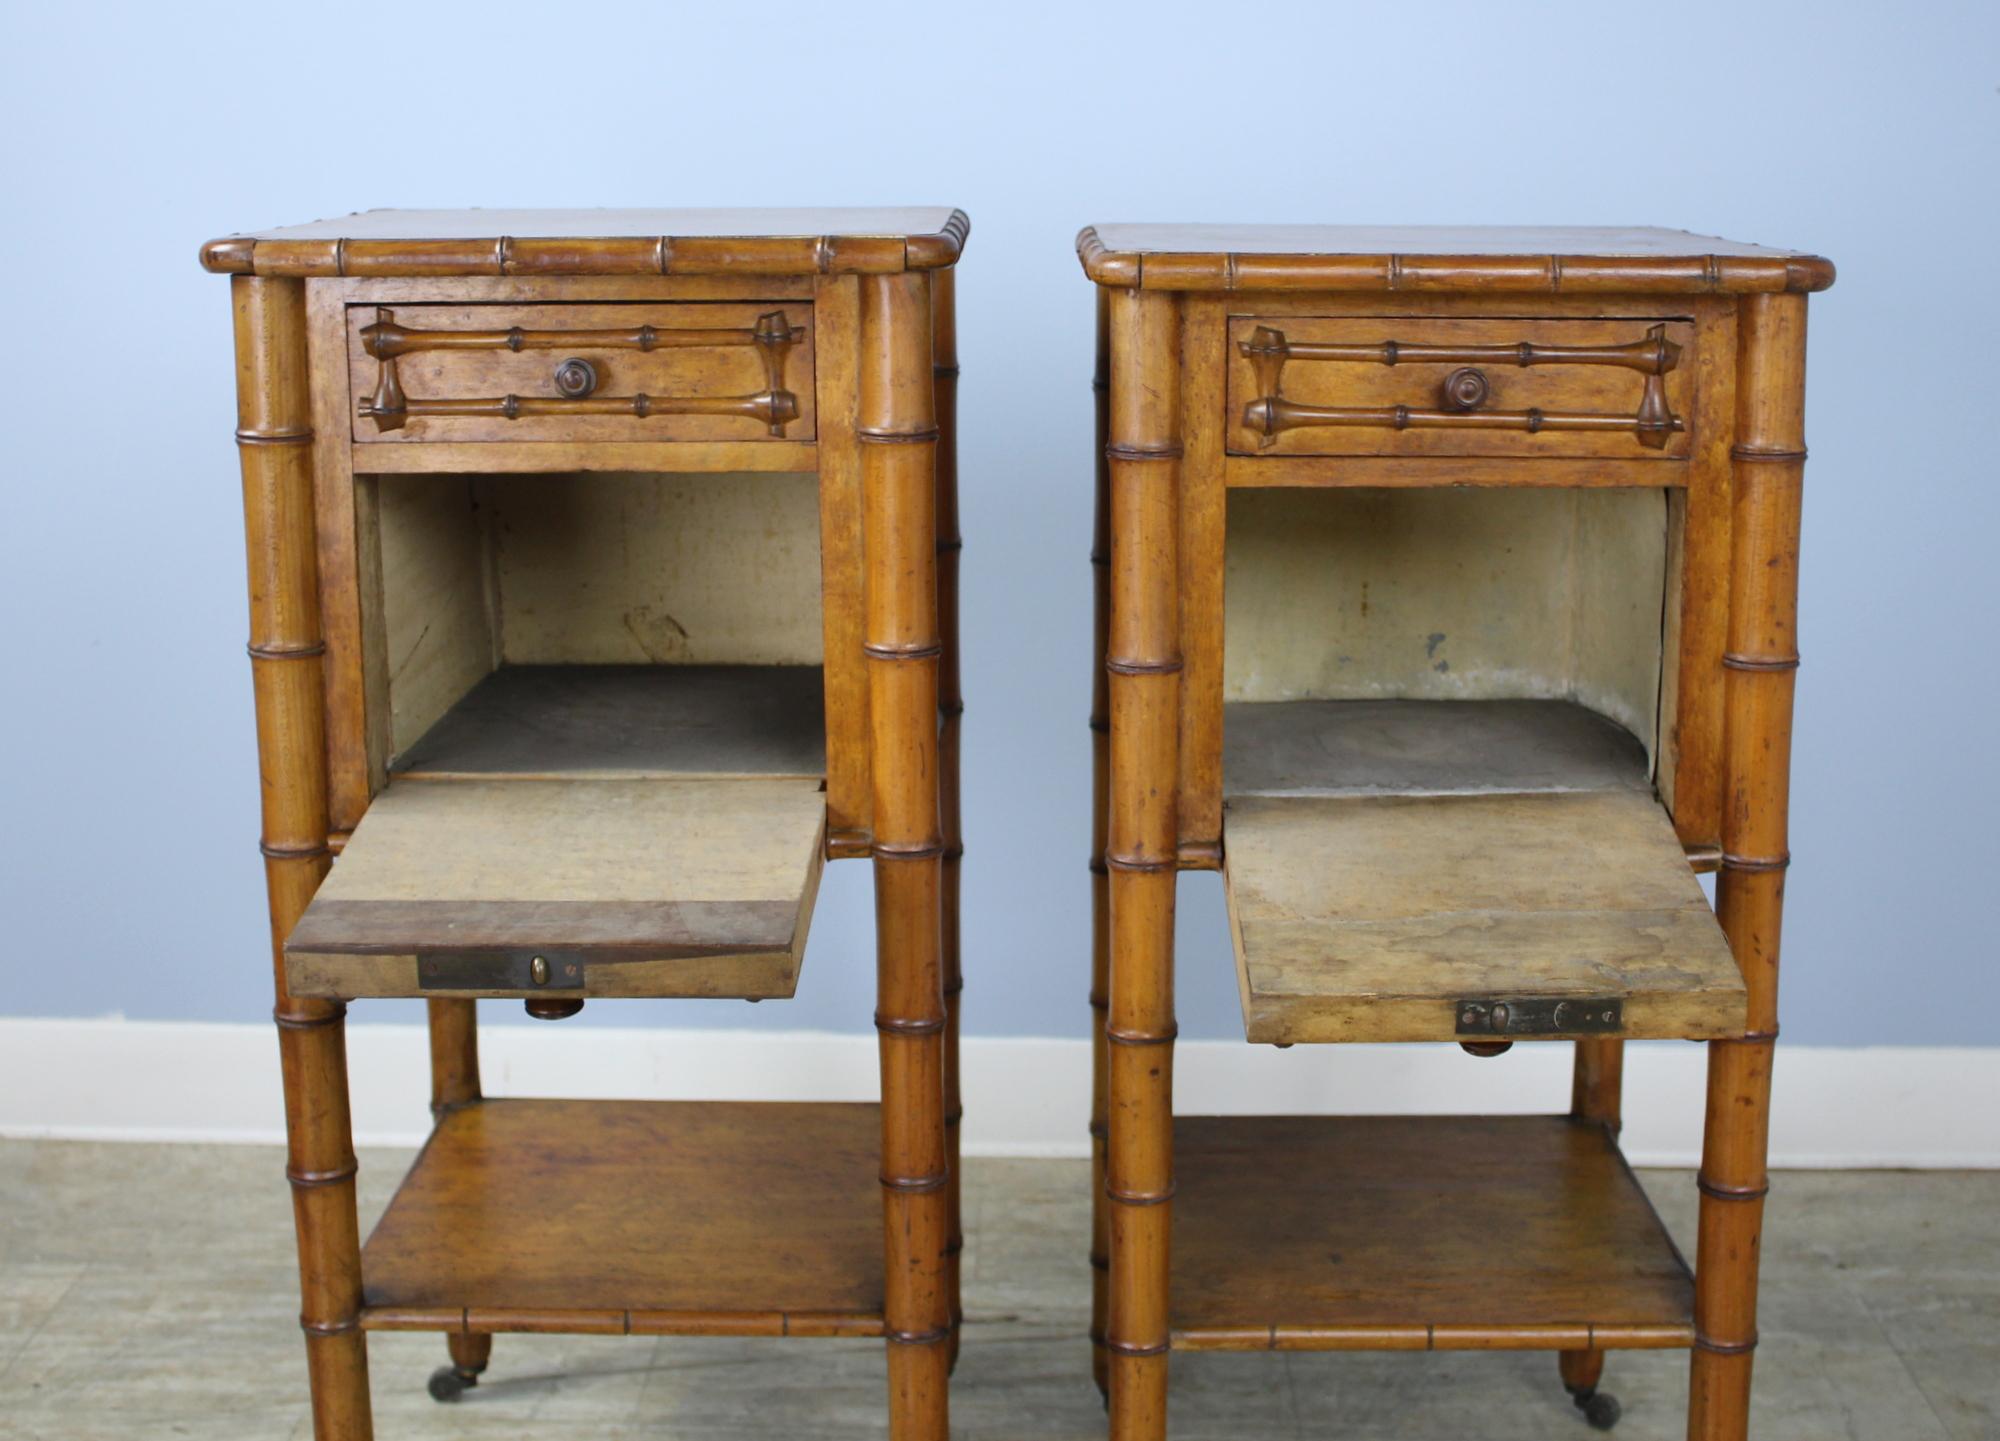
(1508, 522)
(603, 572)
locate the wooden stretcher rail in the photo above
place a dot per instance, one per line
(583, 1321)
(1579, 1336)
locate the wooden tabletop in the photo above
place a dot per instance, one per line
(1437, 257)
(873, 240)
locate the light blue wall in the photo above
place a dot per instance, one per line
(1866, 132)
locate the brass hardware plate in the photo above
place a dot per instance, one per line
(522, 970)
(1541, 1016)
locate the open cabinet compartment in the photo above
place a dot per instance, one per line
(1442, 709)
(639, 585)
(596, 740)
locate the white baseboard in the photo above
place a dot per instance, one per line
(189, 1081)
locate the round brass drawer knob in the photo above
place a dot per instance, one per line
(1464, 389)
(575, 379)
(538, 970)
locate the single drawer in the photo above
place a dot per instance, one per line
(1419, 386)
(613, 372)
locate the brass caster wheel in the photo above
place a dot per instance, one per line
(448, 1383)
(1599, 1408)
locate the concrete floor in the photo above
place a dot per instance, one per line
(149, 1291)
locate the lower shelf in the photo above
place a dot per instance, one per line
(1417, 1233)
(640, 1217)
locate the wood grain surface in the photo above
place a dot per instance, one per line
(1416, 1232)
(693, 888)
(716, 1218)
(1369, 918)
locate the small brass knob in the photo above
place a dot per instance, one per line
(575, 378)
(1464, 389)
(538, 970)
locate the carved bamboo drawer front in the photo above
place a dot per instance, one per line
(1418, 386)
(694, 371)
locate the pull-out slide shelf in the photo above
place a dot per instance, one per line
(565, 832)
(568, 889)
(1469, 871)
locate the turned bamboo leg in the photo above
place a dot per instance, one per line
(274, 436)
(1141, 846)
(1100, 889)
(951, 708)
(1761, 664)
(898, 434)
(454, 1029)
(1597, 1082)
(1596, 1094)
